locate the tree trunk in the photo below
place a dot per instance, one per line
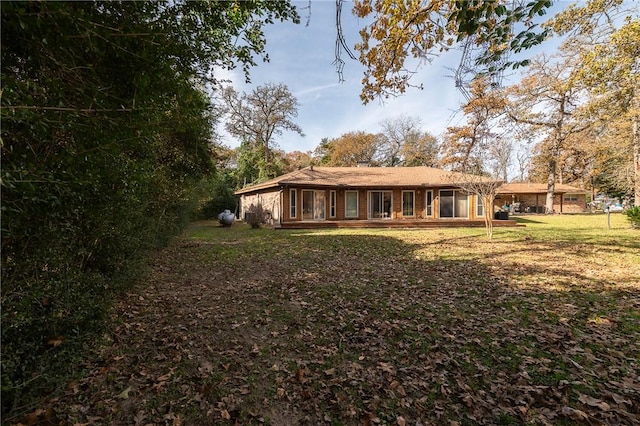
(551, 185)
(488, 215)
(636, 159)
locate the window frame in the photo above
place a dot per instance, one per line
(346, 204)
(479, 206)
(454, 213)
(381, 206)
(293, 203)
(332, 204)
(428, 203)
(320, 210)
(413, 203)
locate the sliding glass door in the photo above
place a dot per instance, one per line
(313, 205)
(454, 203)
(380, 203)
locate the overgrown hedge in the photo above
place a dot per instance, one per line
(106, 136)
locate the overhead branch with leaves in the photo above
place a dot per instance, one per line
(404, 29)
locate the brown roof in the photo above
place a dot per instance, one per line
(363, 177)
(536, 188)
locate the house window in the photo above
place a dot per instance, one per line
(380, 203)
(313, 205)
(454, 203)
(408, 203)
(429, 203)
(292, 203)
(351, 203)
(479, 206)
(570, 197)
(332, 204)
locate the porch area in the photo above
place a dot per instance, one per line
(389, 223)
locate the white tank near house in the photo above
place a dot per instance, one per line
(226, 218)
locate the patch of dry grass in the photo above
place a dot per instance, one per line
(540, 325)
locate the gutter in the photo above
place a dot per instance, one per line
(281, 205)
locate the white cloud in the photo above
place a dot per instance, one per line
(314, 90)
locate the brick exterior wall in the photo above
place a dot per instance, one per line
(270, 202)
(420, 199)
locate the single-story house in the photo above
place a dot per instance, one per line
(339, 195)
(531, 198)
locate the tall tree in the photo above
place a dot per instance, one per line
(609, 68)
(464, 147)
(257, 118)
(422, 151)
(403, 142)
(612, 72)
(547, 101)
(352, 148)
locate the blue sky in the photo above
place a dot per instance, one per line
(302, 56)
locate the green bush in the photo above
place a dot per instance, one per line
(219, 195)
(105, 139)
(633, 214)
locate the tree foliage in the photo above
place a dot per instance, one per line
(298, 160)
(603, 44)
(106, 136)
(611, 154)
(403, 143)
(403, 29)
(257, 118)
(349, 149)
(465, 147)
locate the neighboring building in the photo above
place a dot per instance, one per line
(532, 197)
(339, 195)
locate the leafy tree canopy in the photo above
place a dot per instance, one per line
(349, 149)
(402, 29)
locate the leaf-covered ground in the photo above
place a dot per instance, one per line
(540, 325)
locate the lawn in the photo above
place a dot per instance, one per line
(540, 325)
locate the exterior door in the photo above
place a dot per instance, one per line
(380, 203)
(454, 204)
(313, 205)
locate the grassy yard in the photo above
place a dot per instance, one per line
(540, 325)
